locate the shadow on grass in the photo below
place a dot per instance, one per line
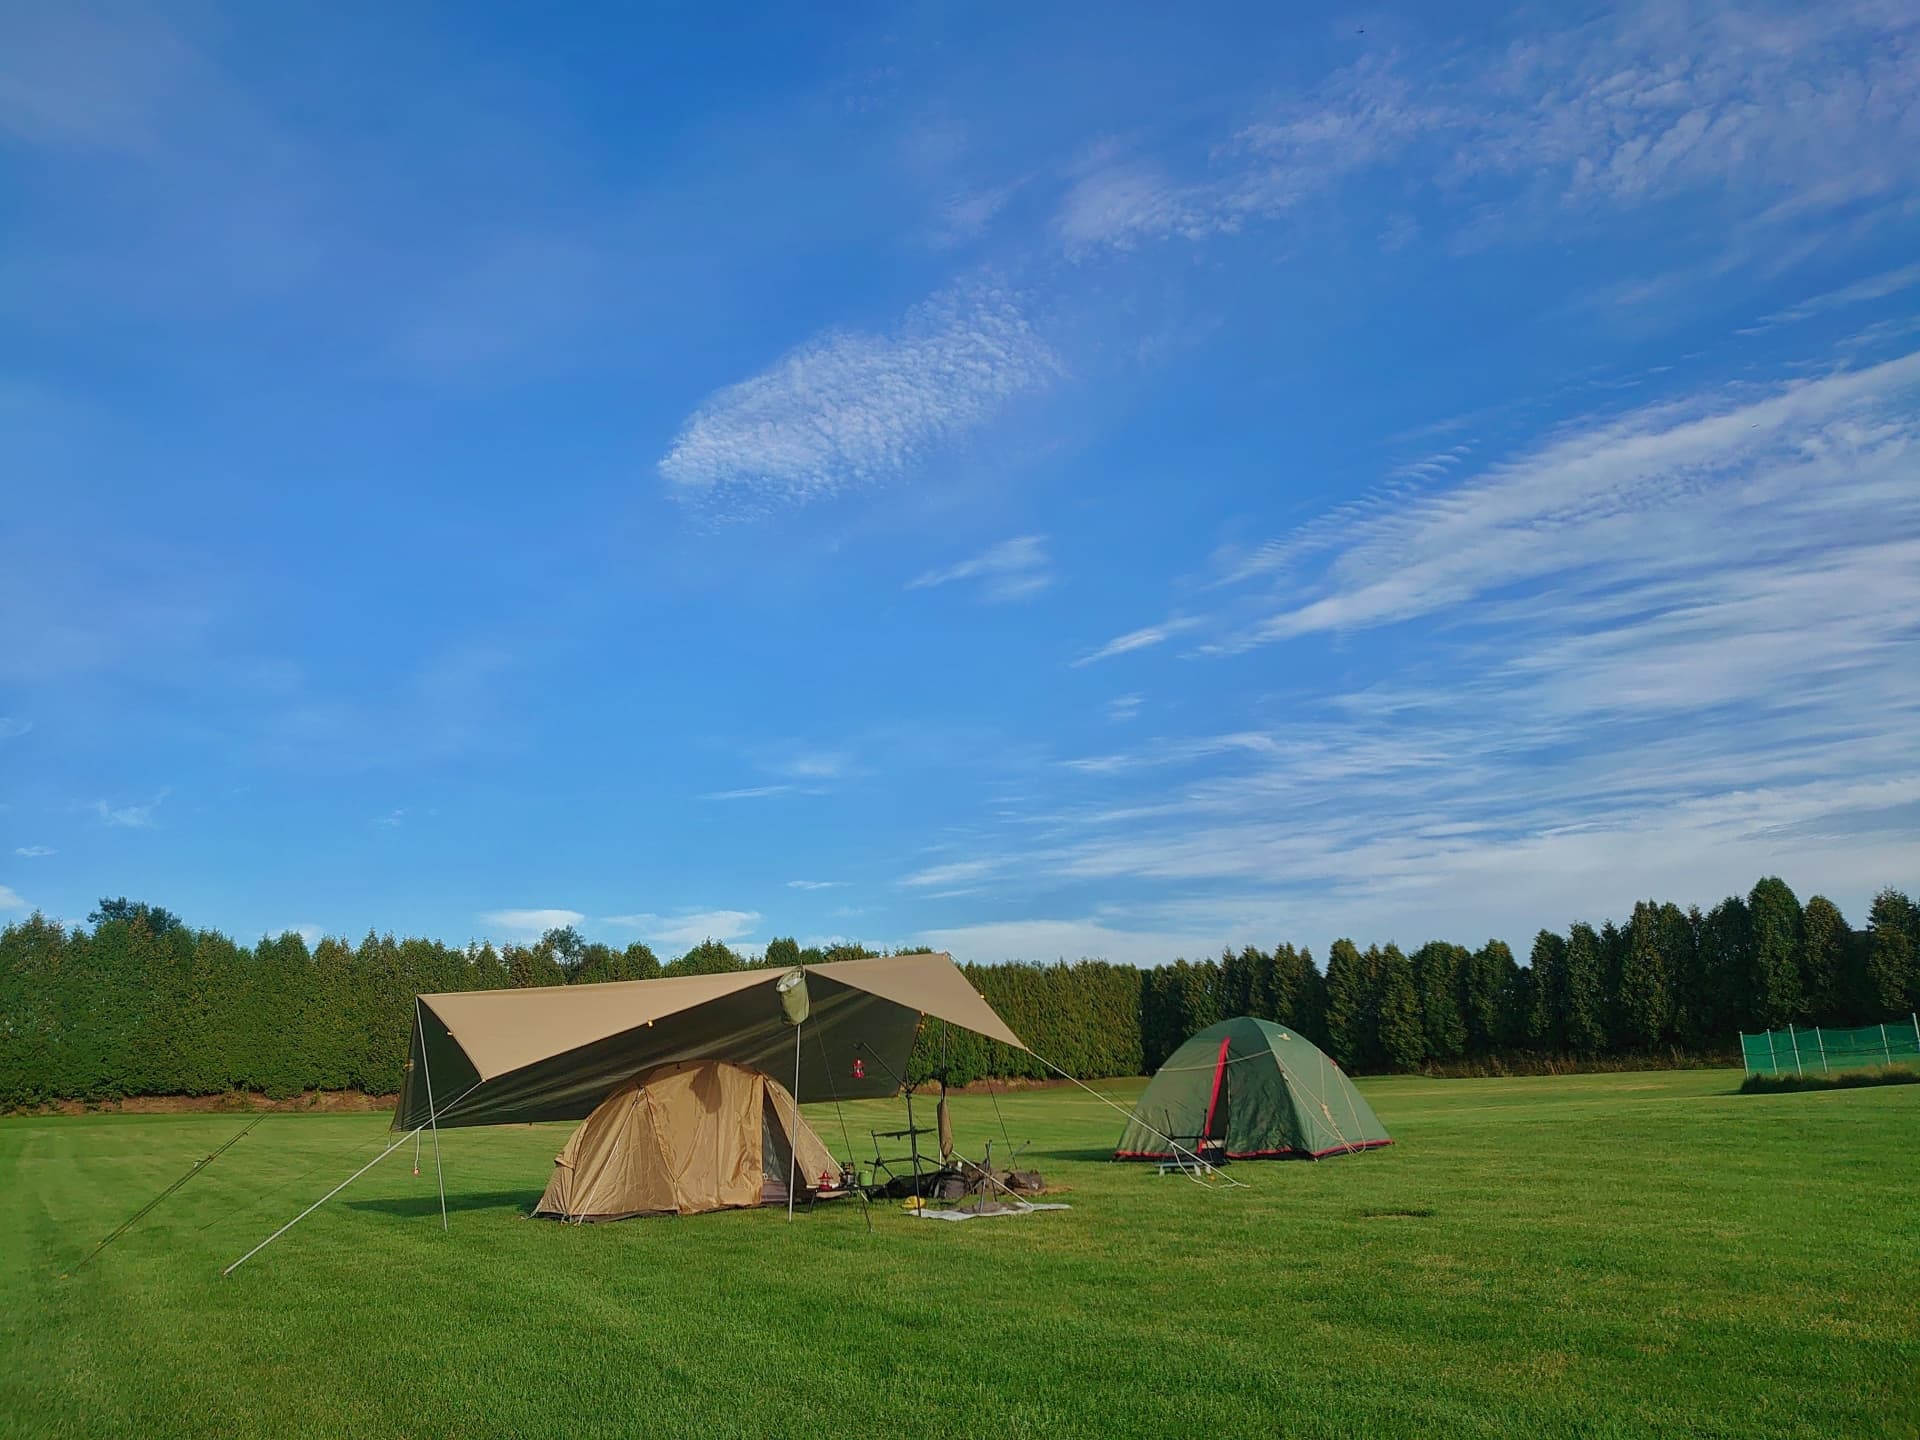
(1027, 1157)
(1838, 1080)
(429, 1204)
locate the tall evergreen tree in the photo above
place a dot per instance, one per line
(1722, 1002)
(1646, 987)
(1402, 1032)
(1680, 943)
(1349, 1032)
(1890, 956)
(1438, 977)
(1776, 921)
(1585, 981)
(1547, 1007)
(1613, 964)
(1488, 997)
(1823, 961)
(1298, 993)
(1237, 971)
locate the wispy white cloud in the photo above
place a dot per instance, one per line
(392, 820)
(815, 884)
(11, 728)
(1144, 638)
(9, 900)
(1124, 707)
(1874, 287)
(129, 817)
(749, 792)
(689, 928)
(33, 852)
(529, 924)
(1643, 491)
(1016, 569)
(1787, 115)
(850, 409)
(806, 764)
(954, 873)
(1664, 652)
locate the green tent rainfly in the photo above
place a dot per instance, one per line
(1250, 1090)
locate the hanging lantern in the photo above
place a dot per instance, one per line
(792, 990)
(859, 1068)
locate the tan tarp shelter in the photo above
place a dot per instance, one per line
(492, 1057)
(686, 1138)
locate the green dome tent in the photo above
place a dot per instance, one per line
(1250, 1090)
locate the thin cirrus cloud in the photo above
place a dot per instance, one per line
(11, 728)
(849, 409)
(33, 852)
(815, 884)
(1144, 638)
(1671, 491)
(1792, 114)
(1662, 653)
(689, 928)
(1016, 569)
(10, 900)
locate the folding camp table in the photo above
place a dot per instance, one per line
(1198, 1155)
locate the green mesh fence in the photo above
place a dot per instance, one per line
(1815, 1052)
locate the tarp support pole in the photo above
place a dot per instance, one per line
(433, 1117)
(318, 1203)
(1178, 1148)
(1773, 1061)
(1884, 1046)
(1794, 1040)
(1821, 1040)
(793, 1140)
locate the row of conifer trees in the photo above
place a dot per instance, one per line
(143, 1004)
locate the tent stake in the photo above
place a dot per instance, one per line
(433, 1117)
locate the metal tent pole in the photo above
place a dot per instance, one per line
(1884, 1046)
(1773, 1061)
(1821, 1040)
(318, 1203)
(1794, 1040)
(433, 1117)
(793, 1139)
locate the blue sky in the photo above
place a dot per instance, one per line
(1112, 481)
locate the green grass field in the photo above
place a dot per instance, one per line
(1604, 1255)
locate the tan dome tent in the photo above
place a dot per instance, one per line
(686, 1138)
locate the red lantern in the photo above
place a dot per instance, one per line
(859, 1068)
